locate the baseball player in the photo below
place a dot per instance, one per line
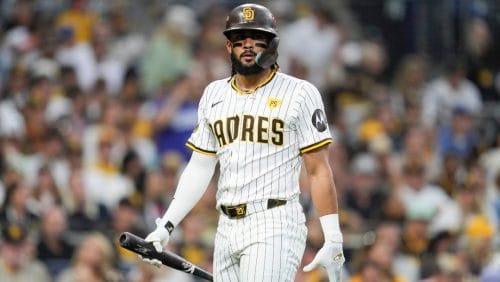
(259, 125)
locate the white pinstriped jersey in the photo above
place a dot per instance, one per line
(259, 137)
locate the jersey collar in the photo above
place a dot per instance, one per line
(243, 92)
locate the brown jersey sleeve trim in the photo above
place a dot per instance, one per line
(199, 150)
(316, 145)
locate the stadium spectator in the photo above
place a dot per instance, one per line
(365, 192)
(320, 37)
(447, 91)
(460, 137)
(76, 55)
(175, 116)
(93, 260)
(482, 60)
(126, 44)
(103, 180)
(53, 247)
(16, 209)
(417, 191)
(84, 213)
(46, 194)
(155, 195)
(79, 19)
(408, 87)
(17, 262)
(12, 98)
(169, 51)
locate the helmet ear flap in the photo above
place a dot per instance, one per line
(268, 57)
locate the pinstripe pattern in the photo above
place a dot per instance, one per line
(265, 246)
(253, 171)
(258, 139)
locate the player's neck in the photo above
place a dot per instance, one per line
(249, 83)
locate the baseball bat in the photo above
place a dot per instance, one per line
(137, 245)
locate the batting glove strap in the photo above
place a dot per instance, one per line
(169, 226)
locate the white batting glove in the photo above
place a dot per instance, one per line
(159, 238)
(331, 255)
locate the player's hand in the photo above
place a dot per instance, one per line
(159, 238)
(331, 257)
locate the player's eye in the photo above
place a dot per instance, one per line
(261, 45)
(256, 36)
(258, 43)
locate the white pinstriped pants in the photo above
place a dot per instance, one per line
(265, 246)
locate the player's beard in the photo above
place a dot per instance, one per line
(238, 67)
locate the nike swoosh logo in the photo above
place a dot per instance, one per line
(216, 103)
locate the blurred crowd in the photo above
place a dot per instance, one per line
(97, 99)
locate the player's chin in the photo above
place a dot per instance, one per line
(249, 66)
(245, 67)
(247, 61)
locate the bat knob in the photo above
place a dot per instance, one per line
(123, 238)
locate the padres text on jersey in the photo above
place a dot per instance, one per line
(259, 137)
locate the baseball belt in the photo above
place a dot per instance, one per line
(242, 210)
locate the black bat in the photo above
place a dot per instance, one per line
(137, 245)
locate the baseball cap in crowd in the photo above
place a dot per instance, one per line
(14, 233)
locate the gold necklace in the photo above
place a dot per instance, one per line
(250, 91)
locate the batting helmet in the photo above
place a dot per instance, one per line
(250, 17)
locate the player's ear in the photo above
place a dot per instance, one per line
(229, 46)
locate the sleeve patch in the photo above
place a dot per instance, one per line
(319, 120)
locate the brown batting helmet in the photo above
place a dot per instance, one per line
(250, 17)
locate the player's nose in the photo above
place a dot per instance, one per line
(248, 42)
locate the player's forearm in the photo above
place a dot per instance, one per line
(323, 192)
(325, 200)
(321, 181)
(192, 185)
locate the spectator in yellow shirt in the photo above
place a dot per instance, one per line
(78, 19)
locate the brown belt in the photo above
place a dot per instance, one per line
(240, 211)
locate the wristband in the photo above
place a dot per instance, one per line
(331, 227)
